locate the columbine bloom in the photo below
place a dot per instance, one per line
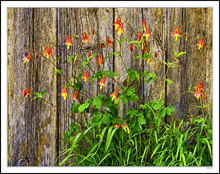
(147, 33)
(144, 22)
(205, 97)
(85, 38)
(176, 32)
(115, 94)
(102, 82)
(139, 36)
(186, 37)
(100, 59)
(131, 47)
(116, 126)
(190, 120)
(117, 23)
(68, 42)
(85, 75)
(90, 53)
(198, 92)
(114, 81)
(155, 54)
(201, 86)
(120, 29)
(37, 55)
(27, 91)
(101, 45)
(26, 59)
(108, 41)
(64, 92)
(200, 44)
(48, 51)
(75, 95)
(92, 31)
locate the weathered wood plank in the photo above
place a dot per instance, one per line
(133, 16)
(32, 130)
(192, 65)
(154, 18)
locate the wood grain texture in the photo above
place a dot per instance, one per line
(193, 65)
(32, 125)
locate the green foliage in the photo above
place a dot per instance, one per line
(133, 74)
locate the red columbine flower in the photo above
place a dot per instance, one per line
(176, 32)
(48, 51)
(75, 95)
(90, 53)
(120, 29)
(139, 36)
(75, 59)
(205, 97)
(115, 93)
(85, 38)
(37, 55)
(26, 59)
(108, 41)
(147, 33)
(186, 37)
(131, 47)
(198, 92)
(102, 82)
(117, 23)
(85, 75)
(100, 59)
(200, 44)
(190, 119)
(201, 86)
(64, 92)
(27, 92)
(101, 45)
(116, 126)
(68, 42)
(144, 22)
(114, 81)
(155, 54)
(92, 31)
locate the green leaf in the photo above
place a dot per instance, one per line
(112, 54)
(139, 56)
(97, 103)
(135, 41)
(133, 74)
(106, 118)
(141, 120)
(59, 71)
(180, 54)
(39, 95)
(84, 106)
(169, 82)
(119, 41)
(97, 117)
(75, 108)
(43, 93)
(78, 86)
(92, 56)
(124, 39)
(85, 62)
(174, 52)
(58, 59)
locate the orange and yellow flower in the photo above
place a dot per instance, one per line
(37, 55)
(85, 75)
(147, 33)
(176, 32)
(144, 22)
(108, 41)
(68, 42)
(131, 47)
(101, 45)
(117, 23)
(190, 120)
(48, 51)
(123, 126)
(139, 36)
(120, 29)
(102, 82)
(186, 37)
(85, 38)
(114, 80)
(64, 92)
(148, 60)
(100, 59)
(27, 92)
(200, 44)
(75, 95)
(115, 94)
(198, 92)
(26, 59)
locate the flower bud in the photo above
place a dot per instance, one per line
(131, 47)
(92, 31)
(139, 36)
(155, 54)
